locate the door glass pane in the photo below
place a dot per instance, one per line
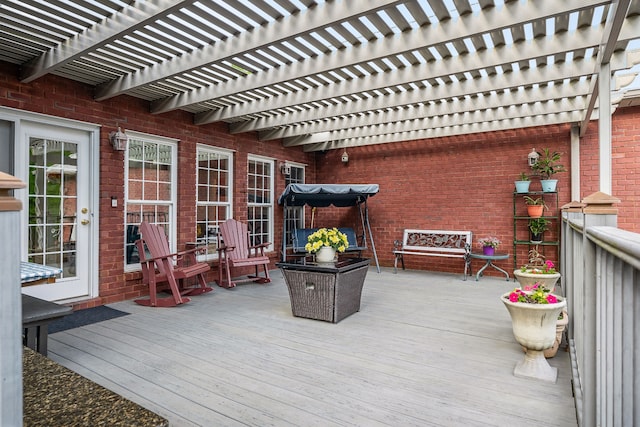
(52, 204)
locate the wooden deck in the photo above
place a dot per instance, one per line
(425, 350)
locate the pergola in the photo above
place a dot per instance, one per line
(328, 74)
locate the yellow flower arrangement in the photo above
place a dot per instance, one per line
(327, 237)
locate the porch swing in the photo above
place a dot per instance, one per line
(323, 195)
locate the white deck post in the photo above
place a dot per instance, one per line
(10, 304)
(604, 127)
(598, 211)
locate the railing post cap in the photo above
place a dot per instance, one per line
(7, 201)
(573, 206)
(600, 203)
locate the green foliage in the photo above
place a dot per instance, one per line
(537, 201)
(547, 165)
(538, 225)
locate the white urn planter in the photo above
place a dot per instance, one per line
(534, 327)
(527, 280)
(325, 255)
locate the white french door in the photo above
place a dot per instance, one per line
(57, 205)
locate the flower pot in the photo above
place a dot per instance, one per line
(535, 211)
(527, 279)
(549, 185)
(536, 238)
(534, 327)
(522, 186)
(488, 250)
(561, 324)
(325, 255)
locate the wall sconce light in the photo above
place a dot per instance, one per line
(118, 140)
(533, 157)
(345, 157)
(285, 169)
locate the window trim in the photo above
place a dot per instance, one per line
(173, 205)
(301, 208)
(230, 171)
(272, 162)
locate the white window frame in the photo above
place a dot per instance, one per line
(213, 254)
(172, 203)
(298, 209)
(270, 205)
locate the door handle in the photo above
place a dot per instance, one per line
(84, 222)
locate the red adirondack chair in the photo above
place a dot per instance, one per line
(236, 251)
(164, 266)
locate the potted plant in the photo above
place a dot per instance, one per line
(534, 316)
(489, 244)
(537, 271)
(547, 166)
(325, 242)
(537, 226)
(523, 182)
(535, 207)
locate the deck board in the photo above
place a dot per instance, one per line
(426, 349)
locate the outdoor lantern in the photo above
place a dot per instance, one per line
(285, 168)
(118, 140)
(533, 157)
(345, 156)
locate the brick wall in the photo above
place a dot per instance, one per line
(625, 135)
(453, 183)
(63, 98)
(462, 182)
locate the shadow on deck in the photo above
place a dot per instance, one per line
(425, 349)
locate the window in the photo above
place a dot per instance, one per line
(213, 195)
(294, 215)
(260, 200)
(151, 188)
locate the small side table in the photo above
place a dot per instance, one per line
(489, 262)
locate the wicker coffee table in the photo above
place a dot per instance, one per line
(328, 293)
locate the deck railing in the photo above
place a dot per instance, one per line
(10, 304)
(600, 266)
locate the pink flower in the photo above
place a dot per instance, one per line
(551, 299)
(513, 297)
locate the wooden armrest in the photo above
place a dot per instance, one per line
(192, 250)
(225, 248)
(261, 245)
(159, 258)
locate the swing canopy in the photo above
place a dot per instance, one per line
(339, 195)
(320, 195)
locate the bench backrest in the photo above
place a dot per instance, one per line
(436, 241)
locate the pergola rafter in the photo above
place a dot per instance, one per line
(335, 74)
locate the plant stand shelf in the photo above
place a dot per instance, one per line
(520, 225)
(328, 293)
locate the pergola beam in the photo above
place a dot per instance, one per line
(493, 126)
(508, 99)
(103, 33)
(610, 37)
(278, 31)
(467, 118)
(514, 13)
(524, 78)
